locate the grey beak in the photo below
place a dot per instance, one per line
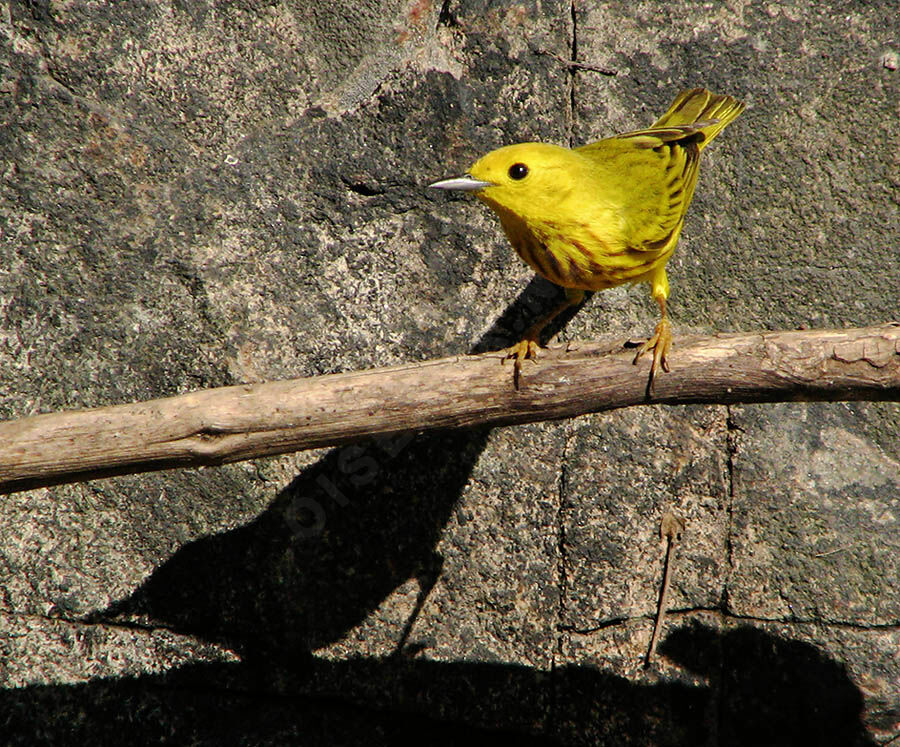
(465, 183)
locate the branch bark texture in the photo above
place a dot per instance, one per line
(229, 424)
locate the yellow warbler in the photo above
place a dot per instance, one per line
(603, 214)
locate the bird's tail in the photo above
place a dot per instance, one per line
(699, 106)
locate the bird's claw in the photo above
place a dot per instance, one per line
(660, 343)
(526, 348)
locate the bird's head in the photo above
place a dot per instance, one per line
(524, 178)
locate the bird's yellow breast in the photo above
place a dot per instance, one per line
(576, 254)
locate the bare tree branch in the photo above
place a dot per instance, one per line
(216, 426)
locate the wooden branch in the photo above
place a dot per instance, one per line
(216, 426)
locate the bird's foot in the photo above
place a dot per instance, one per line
(524, 348)
(660, 343)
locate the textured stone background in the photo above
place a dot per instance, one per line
(203, 193)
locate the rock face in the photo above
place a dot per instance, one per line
(197, 194)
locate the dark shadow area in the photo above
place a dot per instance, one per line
(182, 708)
(762, 690)
(772, 691)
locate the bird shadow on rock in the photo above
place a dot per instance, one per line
(333, 544)
(755, 689)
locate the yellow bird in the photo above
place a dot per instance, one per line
(604, 214)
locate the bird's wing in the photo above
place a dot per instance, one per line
(650, 176)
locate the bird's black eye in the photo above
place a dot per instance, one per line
(518, 171)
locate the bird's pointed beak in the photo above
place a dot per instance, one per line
(465, 183)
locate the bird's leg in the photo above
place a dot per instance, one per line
(427, 575)
(528, 346)
(661, 341)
